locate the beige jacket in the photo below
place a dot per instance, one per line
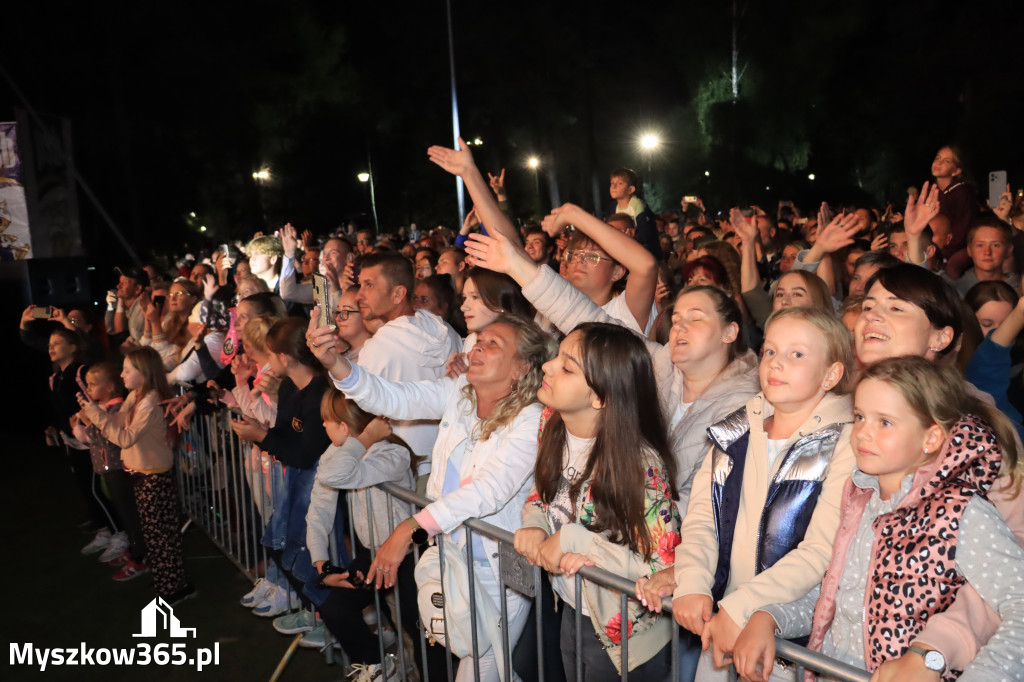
(800, 570)
(139, 429)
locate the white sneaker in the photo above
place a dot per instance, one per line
(257, 594)
(274, 604)
(118, 545)
(374, 672)
(99, 543)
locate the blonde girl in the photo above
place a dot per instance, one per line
(764, 506)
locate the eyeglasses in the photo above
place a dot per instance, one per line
(178, 294)
(344, 314)
(363, 240)
(310, 260)
(590, 258)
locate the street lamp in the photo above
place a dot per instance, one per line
(368, 177)
(261, 175)
(533, 162)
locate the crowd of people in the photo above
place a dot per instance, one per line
(803, 423)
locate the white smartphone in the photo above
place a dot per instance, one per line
(996, 187)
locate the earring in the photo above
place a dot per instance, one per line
(515, 384)
(934, 349)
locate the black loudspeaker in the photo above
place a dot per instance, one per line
(58, 282)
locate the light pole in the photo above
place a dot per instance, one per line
(262, 177)
(368, 177)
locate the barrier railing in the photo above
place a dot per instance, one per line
(225, 490)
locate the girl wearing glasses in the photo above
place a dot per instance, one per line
(351, 329)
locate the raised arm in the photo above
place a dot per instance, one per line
(459, 162)
(831, 238)
(746, 229)
(917, 217)
(643, 270)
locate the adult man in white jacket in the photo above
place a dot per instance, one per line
(413, 345)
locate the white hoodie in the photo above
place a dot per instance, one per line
(412, 348)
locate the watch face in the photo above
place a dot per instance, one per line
(933, 660)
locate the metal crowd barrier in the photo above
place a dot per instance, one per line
(223, 493)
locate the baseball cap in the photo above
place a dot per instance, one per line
(136, 273)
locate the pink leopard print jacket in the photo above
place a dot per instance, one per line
(913, 575)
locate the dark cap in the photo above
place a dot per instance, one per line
(136, 273)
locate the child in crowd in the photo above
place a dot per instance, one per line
(604, 495)
(764, 506)
(915, 527)
(140, 430)
(296, 440)
(102, 386)
(362, 454)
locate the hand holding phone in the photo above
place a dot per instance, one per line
(321, 297)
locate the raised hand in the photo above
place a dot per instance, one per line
(471, 221)
(497, 184)
(492, 252)
(744, 227)
(838, 233)
(288, 240)
(880, 241)
(1002, 209)
(556, 221)
(323, 343)
(922, 211)
(210, 287)
(455, 161)
(307, 240)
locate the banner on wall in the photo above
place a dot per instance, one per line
(15, 238)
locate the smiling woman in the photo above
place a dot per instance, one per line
(482, 461)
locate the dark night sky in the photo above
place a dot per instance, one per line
(173, 105)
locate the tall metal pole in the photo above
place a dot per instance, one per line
(373, 197)
(455, 110)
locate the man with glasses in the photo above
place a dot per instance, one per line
(590, 268)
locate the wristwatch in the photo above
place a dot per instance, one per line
(933, 660)
(419, 533)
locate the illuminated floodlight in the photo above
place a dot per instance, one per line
(363, 177)
(263, 174)
(707, 174)
(649, 142)
(477, 141)
(810, 176)
(202, 228)
(533, 162)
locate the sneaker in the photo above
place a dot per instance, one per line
(120, 560)
(118, 544)
(130, 570)
(98, 543)
(274, 604)
(316, 638)
(260, 589)
(294, 623)
(374, 672)
(175, 598)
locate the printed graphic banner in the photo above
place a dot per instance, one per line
(15, 239)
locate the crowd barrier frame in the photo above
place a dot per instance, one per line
(223, 494)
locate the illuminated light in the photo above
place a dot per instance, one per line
(263, 174)
(193, 214)
(202, 228)
(533, 162)
(707, 174)
(810, 176)
(477, 141)
(767, 188)
(649, 141)
(363, 177)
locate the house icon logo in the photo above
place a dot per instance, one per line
(158, 615)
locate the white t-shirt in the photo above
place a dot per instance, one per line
(561, 510)
(774, 448)
(618, 309)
